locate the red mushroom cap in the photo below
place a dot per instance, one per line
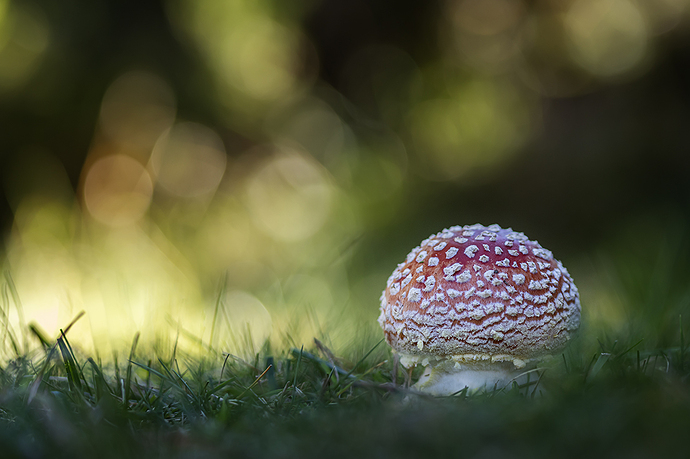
(477, 293)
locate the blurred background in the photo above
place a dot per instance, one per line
(222, 172)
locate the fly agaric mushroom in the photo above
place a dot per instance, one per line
(474, 304)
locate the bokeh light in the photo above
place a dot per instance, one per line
(608, 37)
(486, 33)
(189, 160)
(479, 127)
(255, 58)
(246, 321)
(311, 124)
(137, 108)
(117, 190)
(24, 39)
(289, 197)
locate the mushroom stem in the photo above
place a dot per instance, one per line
(447, 378)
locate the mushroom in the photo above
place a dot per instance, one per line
(475, 304)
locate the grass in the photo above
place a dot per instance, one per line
(614, 392)
(616, 399)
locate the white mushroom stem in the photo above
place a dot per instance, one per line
(449, 378)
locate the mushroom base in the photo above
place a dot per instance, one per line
(440, 381)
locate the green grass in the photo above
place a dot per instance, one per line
(608, 399)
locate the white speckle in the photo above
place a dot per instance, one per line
(471, 250)
(523, 250)
(452, 293)
(415, 295)
(528, 296)
(420, 278)
(532, 266)
(542, 253)
(477, 314)
(488, 274)
(511, 289)
(467, 233)
(484, 293)
(479, 238)
(470, 292)
(395, 288)
(538, 285)
(406, 281)
(422, 255)
(452, 269)
(498, 250)
(542, 265)
(519, 279)
(505, 262)
(512, 311)
(494, 307)
(447, 235)
(460, 306)
(440, 246)
(519, 299)
(496, 281)
(419, 269)
(486, 247)
(508, 243)
(497, 335)
(461, 240)
(502, 275)
(504, 296)
(450, 253)
(420, 344)
(477, 268)
(429, 284)
(395, 276)
(516, 235)
(406, 272)
(425, 304)
(540, 299)
(559, 301)
(440, 296)
(433, 261)
(483, 258)
(480, 284)
(515, 265)
(494, 227)
(514, 253)
(463, 277)
(523, 266)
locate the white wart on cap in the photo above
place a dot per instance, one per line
(480, 301)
